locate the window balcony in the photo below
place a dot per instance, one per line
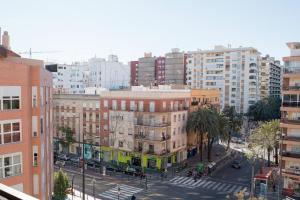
(291, 154)
(295, 104)
(295, 121)
(291, 88)
(151, 138)
(150, 123)
(291, 171)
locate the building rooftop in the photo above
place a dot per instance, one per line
(293, 45)
(220, 48)
(8, 193)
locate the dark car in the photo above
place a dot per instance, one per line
(75, 161)
(236, 164)
(63, 157)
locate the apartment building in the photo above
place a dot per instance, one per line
(175, 67)
(69, 78)
(146, 70)
(234, 71)
(81, 113)
(270, 77)
(110, 73)
(134, 66)
(290, 121)
(145, 127)
(25, 125)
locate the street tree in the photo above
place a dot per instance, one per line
(266, 137)
(265, 110)
(203, 122)
(61, 185)
(235, 121)
(68, 139)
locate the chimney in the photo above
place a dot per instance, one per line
(5, 40)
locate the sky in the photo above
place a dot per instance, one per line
(77, 30)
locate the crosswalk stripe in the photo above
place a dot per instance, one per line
(216, 186)
(126, 191)
(226, 188)
(206, 184)
(194, 184)
(187, 180)
(245, 189)
(238, 189)
(210, 185)
(221, 187)
(232, 188)
(179, 179)
(173, 179)
(201, 183)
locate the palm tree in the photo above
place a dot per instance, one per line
(200, 122)
(235, 121)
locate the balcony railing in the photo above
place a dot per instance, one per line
(147, 137)
(290, 121)
(291, 171)
(151, 123)
(162, 152)
(291, 104)
(13, 194)
(291, 154)
(291, 70)
(291, 87)
(291, 138)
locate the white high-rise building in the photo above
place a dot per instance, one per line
(70, 78)
(234, 71)
(109, 74)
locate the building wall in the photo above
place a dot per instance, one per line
(290, 162)
(110, 73)
(134, 66)
(175, 67)
(27, 79)
(146, 71)
(82, 114)
(234, 71)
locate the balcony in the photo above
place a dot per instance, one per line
(151, 138)
(291, 138)
(294, 104)
(290, 121)
(292, 88)
(291, 154)
(160, 153)
(151, 123)
(291, 171)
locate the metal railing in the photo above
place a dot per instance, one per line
(13, 194)
(148, 137)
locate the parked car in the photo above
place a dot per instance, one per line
(236, 164)
(75, 161)
(63, 157)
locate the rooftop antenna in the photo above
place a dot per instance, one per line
(30, 52)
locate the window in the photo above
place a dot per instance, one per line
(105, 127)
(123, 105)
(97, 105)
(141, 106)
(164, 105)
(42, 125)
(10, 132)
(105, 115)
(10, 97)
(132, 106)
(34, 96)
(179, 117)
(10, 165)
(97, 117)
(174, 118)
(183, 117)
(174, 145)
(152, 106)
(35, 155)
(114, 105)
(105, 102)
(34, 126)
(120, 144)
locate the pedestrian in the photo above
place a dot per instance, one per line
(133, 197)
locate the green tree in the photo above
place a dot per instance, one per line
(68, 140)
(61, 185)
(235, 121)
(265, 110)
(265, 137)
(201, 122)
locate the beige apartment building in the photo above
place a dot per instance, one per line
(145, 127)
(25, 124)
(290, 121)
(80, 112)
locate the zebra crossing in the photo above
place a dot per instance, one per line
(206, 183)
(126, 192)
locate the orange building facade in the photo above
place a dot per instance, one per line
(290, 122)
(25, 125)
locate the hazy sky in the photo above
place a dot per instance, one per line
(128, 28)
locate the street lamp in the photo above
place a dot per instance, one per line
(119, 191)
(73, 186)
